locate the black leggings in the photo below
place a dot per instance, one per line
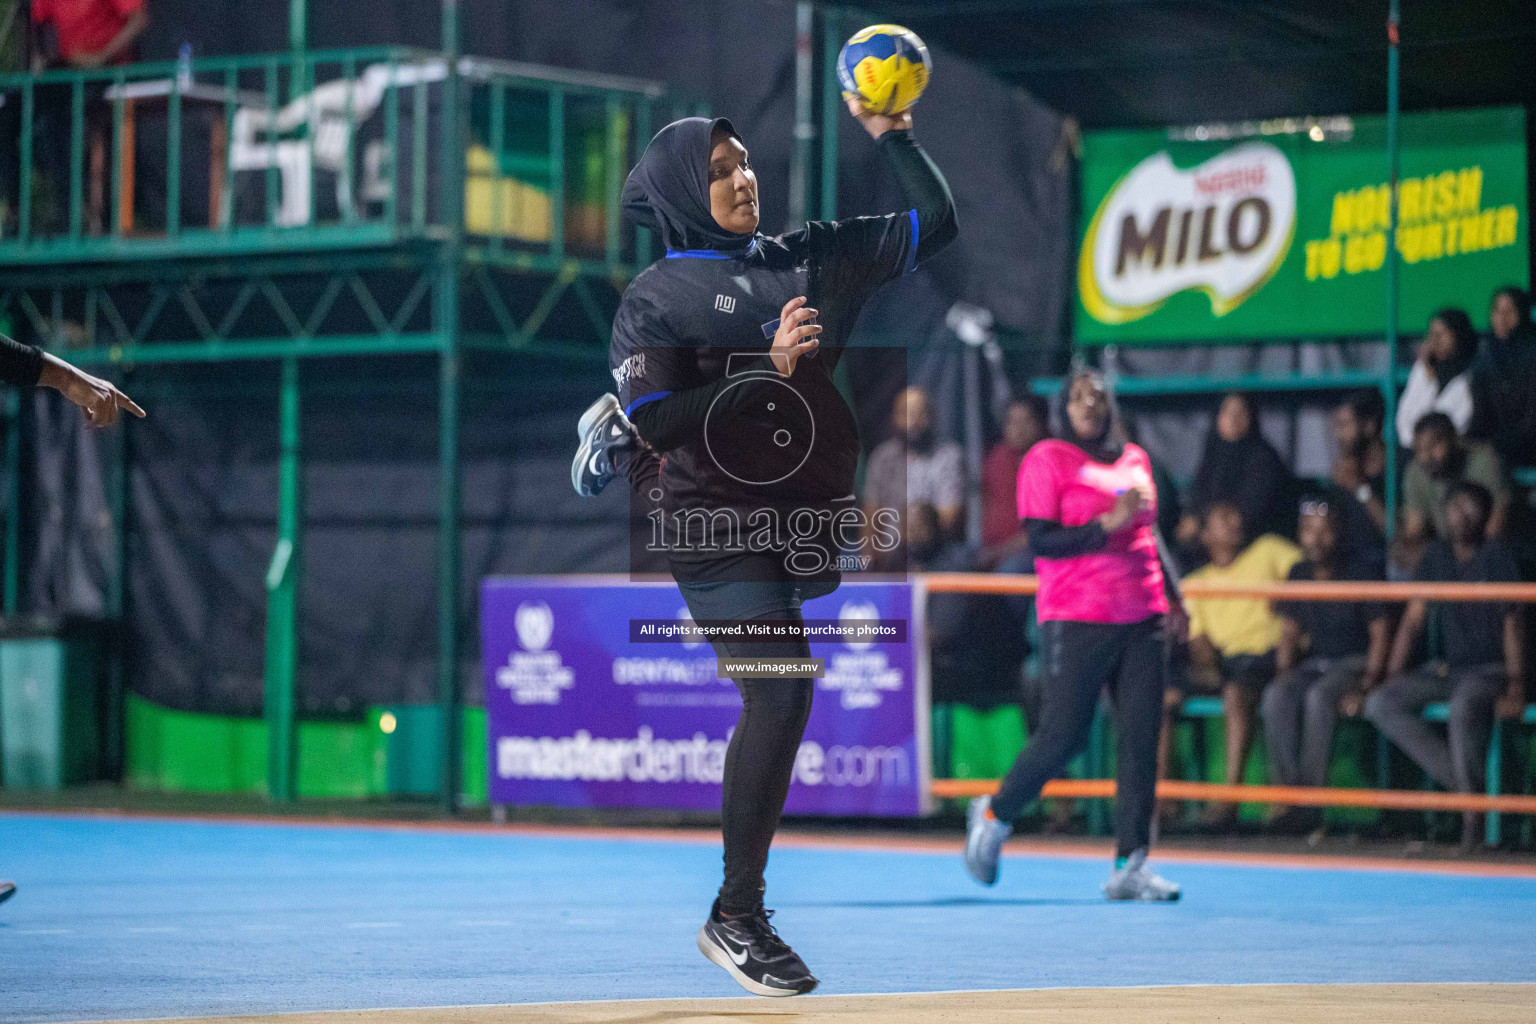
(759, 763)
(1084, 658)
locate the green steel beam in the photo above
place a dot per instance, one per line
(492, 378)
(581, 352)
(1148, 387)
(173, 162)
(76, 159)
(799, 208)
(282, 650)
(556, 171)
(213, 268)
(270, 178)
(831, 107)
(1387, 383)
(1033, 339)
(596, 315)
(278, 348)
(301, 81)
(498, 147)
(392, 146)
(447, 323)
(24, 188)
(541, 263)
(418, 157)
(119, 333)
(448, 561)
(617, 125)
(546, 305)
(13, 501)
(948, 9)
(536, 76)
(226, 216)
(298, 38)
(209, 243)
(119, 116)
(118, 506)
(643, 112)
(281, 265)
(240, 62)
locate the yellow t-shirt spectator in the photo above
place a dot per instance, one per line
(1238, 625)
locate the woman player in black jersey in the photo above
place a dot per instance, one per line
(742, 449)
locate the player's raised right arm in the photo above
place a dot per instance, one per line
(922, 184)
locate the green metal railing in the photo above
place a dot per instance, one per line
(315, 150)
(238, 104)
(450, 203)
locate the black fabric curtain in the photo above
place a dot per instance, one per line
(203, 485)
(202, 521)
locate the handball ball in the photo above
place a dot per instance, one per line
(884, 67)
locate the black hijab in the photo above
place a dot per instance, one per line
(1464, 351)
(1248, 473)
(1110, 444)
(668, 191)
(1503, 380)
(1516, 353)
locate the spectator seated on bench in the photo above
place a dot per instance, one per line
(1232, 641)
(1442, 458)
(1482, 673)
(1331, 654)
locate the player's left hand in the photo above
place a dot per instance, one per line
(878, 124)
(795, 337)
(98, 399)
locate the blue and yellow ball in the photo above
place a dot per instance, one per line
(884, 67)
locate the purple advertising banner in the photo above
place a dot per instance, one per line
(578, 716)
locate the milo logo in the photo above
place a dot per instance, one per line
(1222, 228)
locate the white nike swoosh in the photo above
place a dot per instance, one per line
(741, 960)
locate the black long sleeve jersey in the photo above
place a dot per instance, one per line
(20, 365)
(690, 342)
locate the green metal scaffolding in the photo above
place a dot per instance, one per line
(426, 273)
(108, 287)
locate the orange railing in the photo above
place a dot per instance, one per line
(1301, 796)
(1384, 799)
(1004, 583)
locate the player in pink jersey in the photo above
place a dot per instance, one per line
(1088, 503)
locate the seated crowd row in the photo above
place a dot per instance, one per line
(1466, 414)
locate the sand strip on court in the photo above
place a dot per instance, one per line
(1226, 1004)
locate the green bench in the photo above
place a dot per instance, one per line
(1211, 707)
(1495, 766)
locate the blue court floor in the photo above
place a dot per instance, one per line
(121, 918)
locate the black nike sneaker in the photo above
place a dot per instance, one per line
(605, 432)
(752, 953)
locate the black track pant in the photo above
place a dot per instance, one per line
(1082, 659)
(759, 763)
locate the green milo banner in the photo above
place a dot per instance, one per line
(1282, 236)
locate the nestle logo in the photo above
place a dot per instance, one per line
(1239, 179)
(725, 303)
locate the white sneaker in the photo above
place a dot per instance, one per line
(984, 838)
(605, 432)
(1136, 881)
